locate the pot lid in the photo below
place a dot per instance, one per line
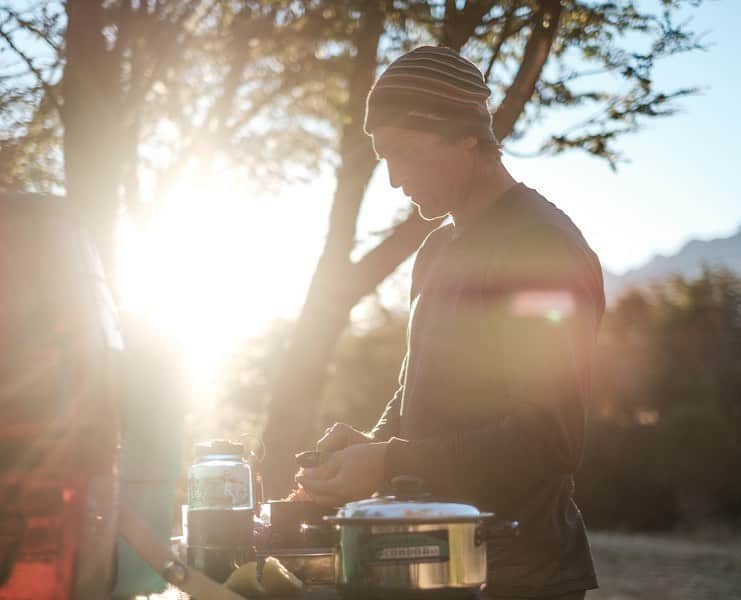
(407, 504)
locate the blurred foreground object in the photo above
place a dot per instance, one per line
(60, 350)
(276, 580)
(153, 405)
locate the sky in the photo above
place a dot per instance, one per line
(679, 183)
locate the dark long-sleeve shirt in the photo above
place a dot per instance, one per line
(493, 388)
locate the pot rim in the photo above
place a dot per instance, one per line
(411, 520)
(321, 552)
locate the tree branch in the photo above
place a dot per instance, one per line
(449, 19)
(200, 137)
(358, 160)
(165, 53)
(29, 26)
(457, 32)
(376, 265)
(48, 88)
(507, 31)
(544, 29)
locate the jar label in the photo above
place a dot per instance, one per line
(220, 487)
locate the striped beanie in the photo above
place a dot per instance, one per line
(433, 89)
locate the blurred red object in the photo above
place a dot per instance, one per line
(60, 349)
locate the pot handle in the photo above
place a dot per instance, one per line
(490, 531)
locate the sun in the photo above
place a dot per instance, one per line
(212, 268)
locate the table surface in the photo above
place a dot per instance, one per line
(309, 593)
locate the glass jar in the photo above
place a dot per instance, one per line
(221, 505)
(219, 478)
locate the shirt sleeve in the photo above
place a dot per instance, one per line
(388, 425)
(526, 333)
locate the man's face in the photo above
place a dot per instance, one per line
(434, 173)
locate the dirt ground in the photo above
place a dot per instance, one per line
(639, 567)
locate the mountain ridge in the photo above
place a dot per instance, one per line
(688, 262)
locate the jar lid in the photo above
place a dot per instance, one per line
(218, 447)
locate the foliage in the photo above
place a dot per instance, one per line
(30, 133)
(664, 443)
(364, 374)
(663, 446)
(265, 85)
(362, 377)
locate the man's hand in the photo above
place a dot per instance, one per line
(339, 436)
(350, 474)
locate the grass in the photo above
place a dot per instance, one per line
(642, 567)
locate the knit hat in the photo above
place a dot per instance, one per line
(431, 89)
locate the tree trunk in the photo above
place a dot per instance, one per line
(297, 391)
(543, 31)
(92, 135)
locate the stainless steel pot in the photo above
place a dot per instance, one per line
(408, 543)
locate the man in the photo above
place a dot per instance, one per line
(505, 305)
